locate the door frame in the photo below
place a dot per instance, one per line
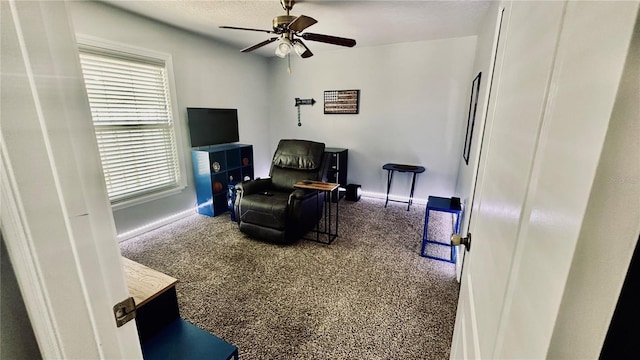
(550, 221)
(56, 217)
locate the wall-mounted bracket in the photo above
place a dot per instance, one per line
(303, 102)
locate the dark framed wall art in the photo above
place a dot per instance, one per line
(341, 101)
(471, 119)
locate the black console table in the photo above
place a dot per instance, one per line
(390, 167)
(337, 172)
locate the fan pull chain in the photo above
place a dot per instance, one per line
(289, 66)
(299, 123)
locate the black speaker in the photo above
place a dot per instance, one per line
(353, 192)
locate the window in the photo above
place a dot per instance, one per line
(132, 115)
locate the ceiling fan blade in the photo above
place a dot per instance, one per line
(241, 28)
(251, 48)
(301, 22)
(307, 52)
(335, 40)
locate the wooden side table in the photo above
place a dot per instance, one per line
(155, 297)
(163, 334)
(328, 189)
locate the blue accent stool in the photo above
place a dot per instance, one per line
(435, 203)
(182, 340)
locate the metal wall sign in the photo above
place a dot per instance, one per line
(303, 102)
(341, 101)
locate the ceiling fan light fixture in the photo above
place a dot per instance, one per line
(284, 47)
(299, 48)
(286, 28)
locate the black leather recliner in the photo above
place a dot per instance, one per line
(272, 209)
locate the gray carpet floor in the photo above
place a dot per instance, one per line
(368, 295)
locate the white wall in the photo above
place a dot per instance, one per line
(207, 74)
(413, 106)
(414, 99)
(610, 227)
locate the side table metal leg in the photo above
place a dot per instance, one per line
(454, 249)
(389, 177)
(324, 212)
(337, 207)
(425, 233)
(413, 184)
(454, 254)
(327, 219)
(318, 215)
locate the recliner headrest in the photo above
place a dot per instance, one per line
(298, 154)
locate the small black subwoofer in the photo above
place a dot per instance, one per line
(353, 192)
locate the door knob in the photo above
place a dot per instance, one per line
(456, 240)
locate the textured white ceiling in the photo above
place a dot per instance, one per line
(370, 22)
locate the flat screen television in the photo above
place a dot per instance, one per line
(212, 126)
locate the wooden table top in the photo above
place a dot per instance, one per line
(316, 185)
(145, 283)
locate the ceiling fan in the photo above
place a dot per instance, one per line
(289, 29)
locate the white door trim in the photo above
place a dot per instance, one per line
(20, 247)
(59, 228)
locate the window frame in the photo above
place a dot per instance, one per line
(111, 48)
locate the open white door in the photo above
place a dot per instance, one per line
(520, 82)
(56, 218)
(554, 86)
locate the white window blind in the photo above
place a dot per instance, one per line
(132, 116)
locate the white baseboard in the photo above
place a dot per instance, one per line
(155, 224)
(383, 196)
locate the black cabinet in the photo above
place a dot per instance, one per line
(217, 167)
(337, 172)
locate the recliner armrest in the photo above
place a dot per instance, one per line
(254, 186)
(301, 194)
